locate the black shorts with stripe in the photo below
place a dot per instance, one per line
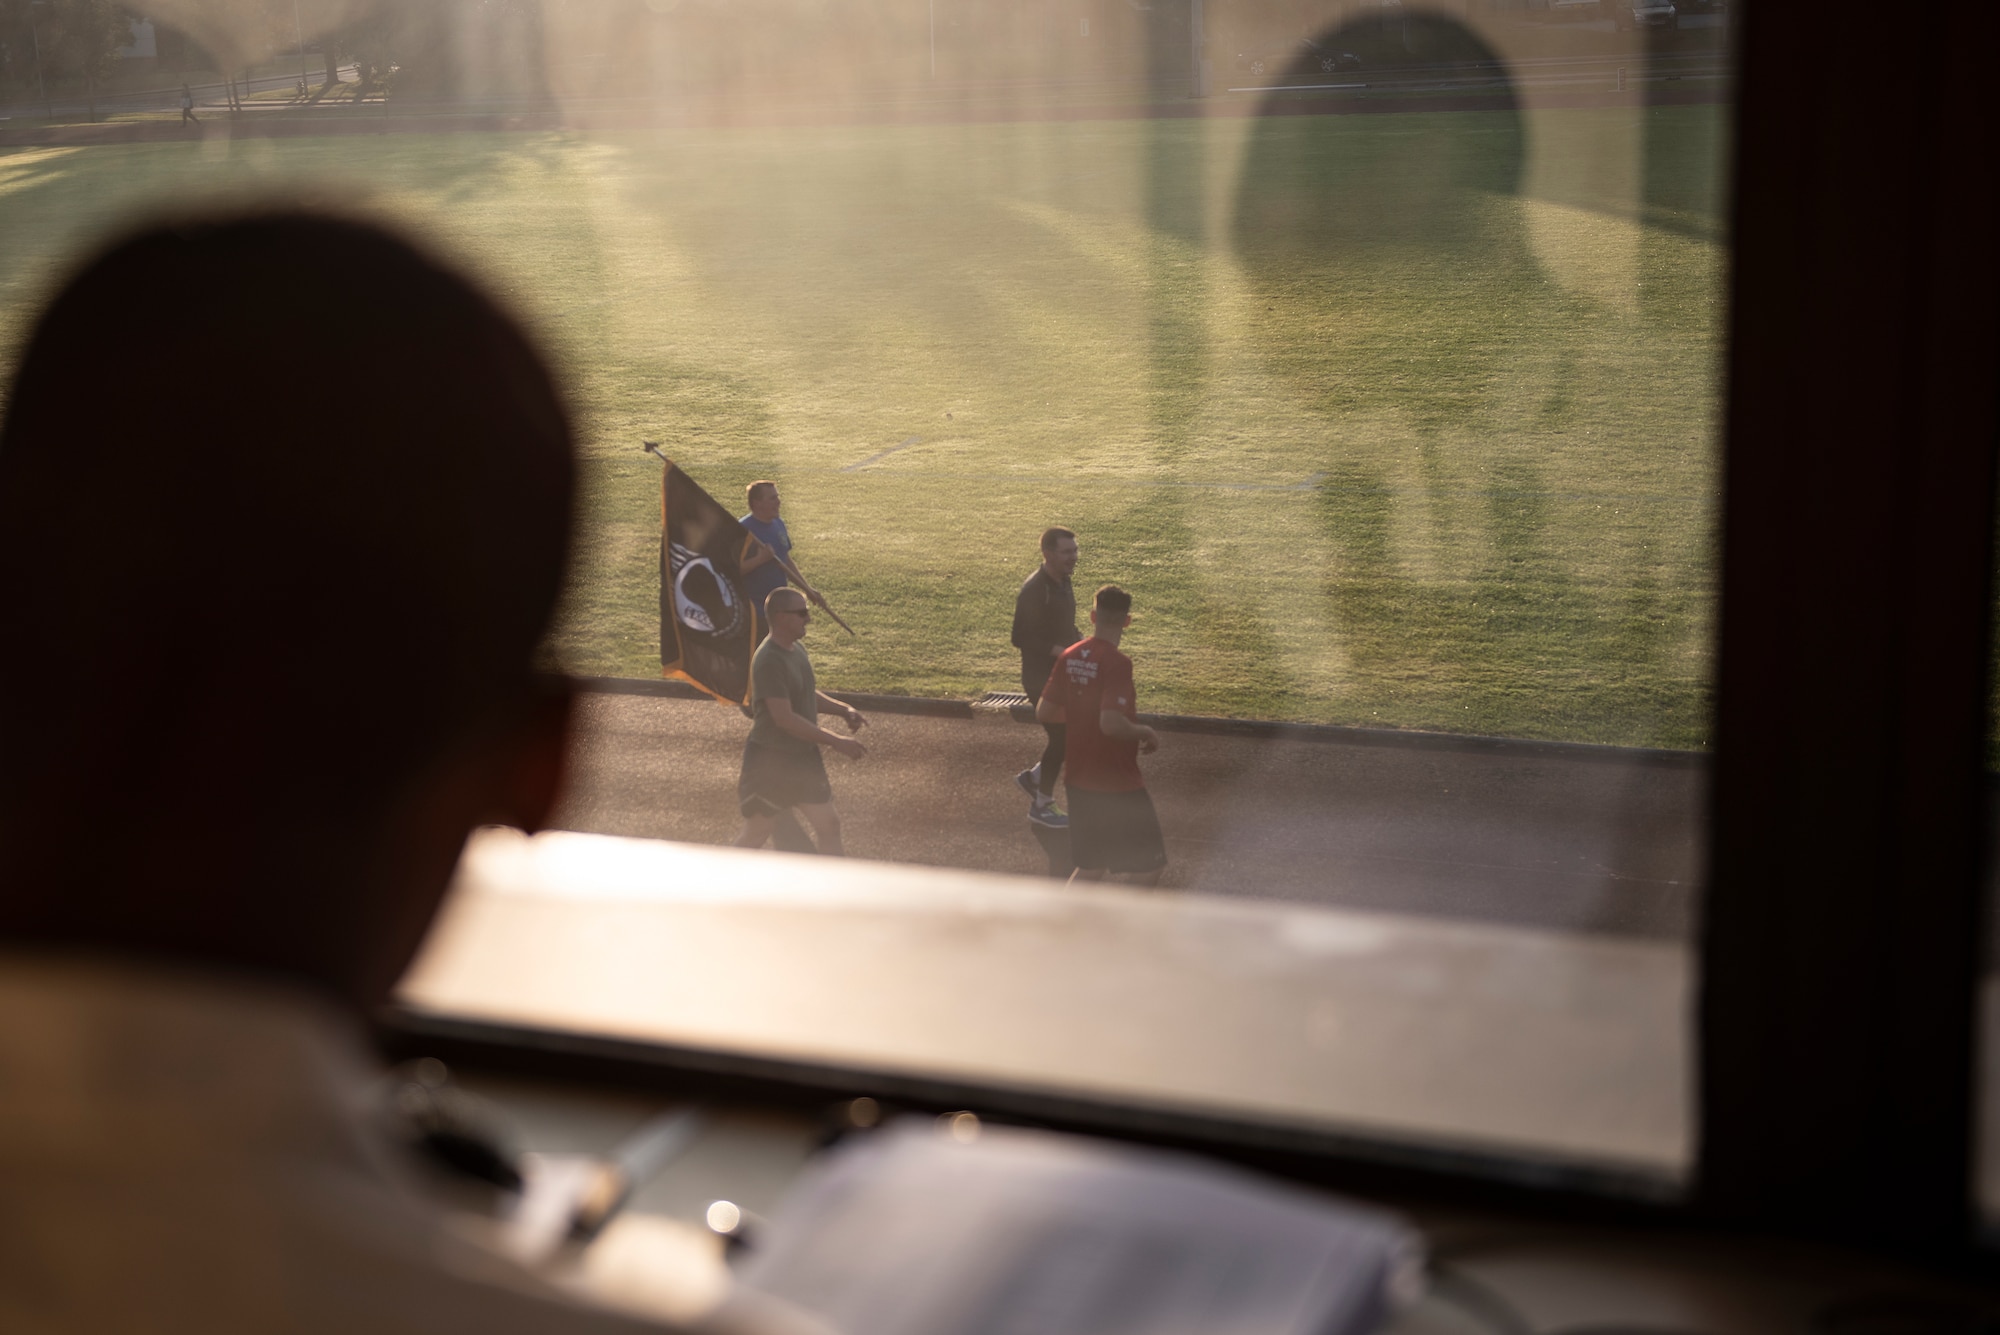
(1114, 831)
(776, 778)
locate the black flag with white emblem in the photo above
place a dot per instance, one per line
(708, 629)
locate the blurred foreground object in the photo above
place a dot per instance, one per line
(266, 686)
(936, 1229)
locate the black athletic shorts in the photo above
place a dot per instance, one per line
(775, 778)
(1114, 831)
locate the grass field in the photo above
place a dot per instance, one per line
(1391, 419)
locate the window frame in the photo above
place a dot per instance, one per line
(1845, 909)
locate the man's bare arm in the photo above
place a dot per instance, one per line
(1119, 728)
(848, 713)
(760, 555)
(791, 724)
(1048, 711)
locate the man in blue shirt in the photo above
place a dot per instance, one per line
(769, 567)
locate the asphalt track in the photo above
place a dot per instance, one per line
(1582, 838)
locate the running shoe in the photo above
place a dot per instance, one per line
(1030, 781)
(1049, 816)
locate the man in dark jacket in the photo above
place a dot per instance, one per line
(1044, 626)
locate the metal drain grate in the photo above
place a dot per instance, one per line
(1001, 700)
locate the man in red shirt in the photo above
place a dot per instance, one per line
(1112, 827)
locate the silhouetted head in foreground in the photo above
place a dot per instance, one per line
(284, 509)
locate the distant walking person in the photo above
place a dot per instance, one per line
(770, 567)
(1044, 626)
(187, 105)
(1112, 826)
(782, 767)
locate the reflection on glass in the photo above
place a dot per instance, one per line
(1384, 375)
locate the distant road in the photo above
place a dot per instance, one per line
(1553, 837)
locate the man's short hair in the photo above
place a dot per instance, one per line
(1113, 600)
(778, 596)
(761, 485)
(284, 512)
(1053, 535)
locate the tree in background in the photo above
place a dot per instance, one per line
(89, 34)
(78, 40)
(325, 25)
(17, 52)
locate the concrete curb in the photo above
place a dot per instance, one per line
(1264, 729)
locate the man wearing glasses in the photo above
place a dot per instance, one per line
(782, 767)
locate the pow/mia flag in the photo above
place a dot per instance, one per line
(708, 629)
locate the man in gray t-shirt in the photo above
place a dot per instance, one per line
(782, 767)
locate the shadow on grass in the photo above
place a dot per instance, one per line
(1524, 642)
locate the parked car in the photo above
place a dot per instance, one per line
(1300, 55)
(1631, 14)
